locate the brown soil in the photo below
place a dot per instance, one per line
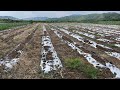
(115, 49)
(99, 54)
(6, 47)
(28, 66)
(74, 74)
(88, 50)
(65, 52)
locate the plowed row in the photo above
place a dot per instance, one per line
(49, 51)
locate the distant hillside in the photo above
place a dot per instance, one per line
(95, 17)
(79, 18)
(36, 18)
(8, 17)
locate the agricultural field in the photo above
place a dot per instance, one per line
(4, 26)
(60, 51)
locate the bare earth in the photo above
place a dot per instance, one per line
(20, 51)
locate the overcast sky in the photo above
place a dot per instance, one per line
(51, 14)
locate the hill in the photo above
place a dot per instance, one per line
(8, 17)
(93, 17)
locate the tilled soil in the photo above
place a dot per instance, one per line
(28, 66)
(65, 52)
(29, 42)
(98, 53)
(9, 45)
